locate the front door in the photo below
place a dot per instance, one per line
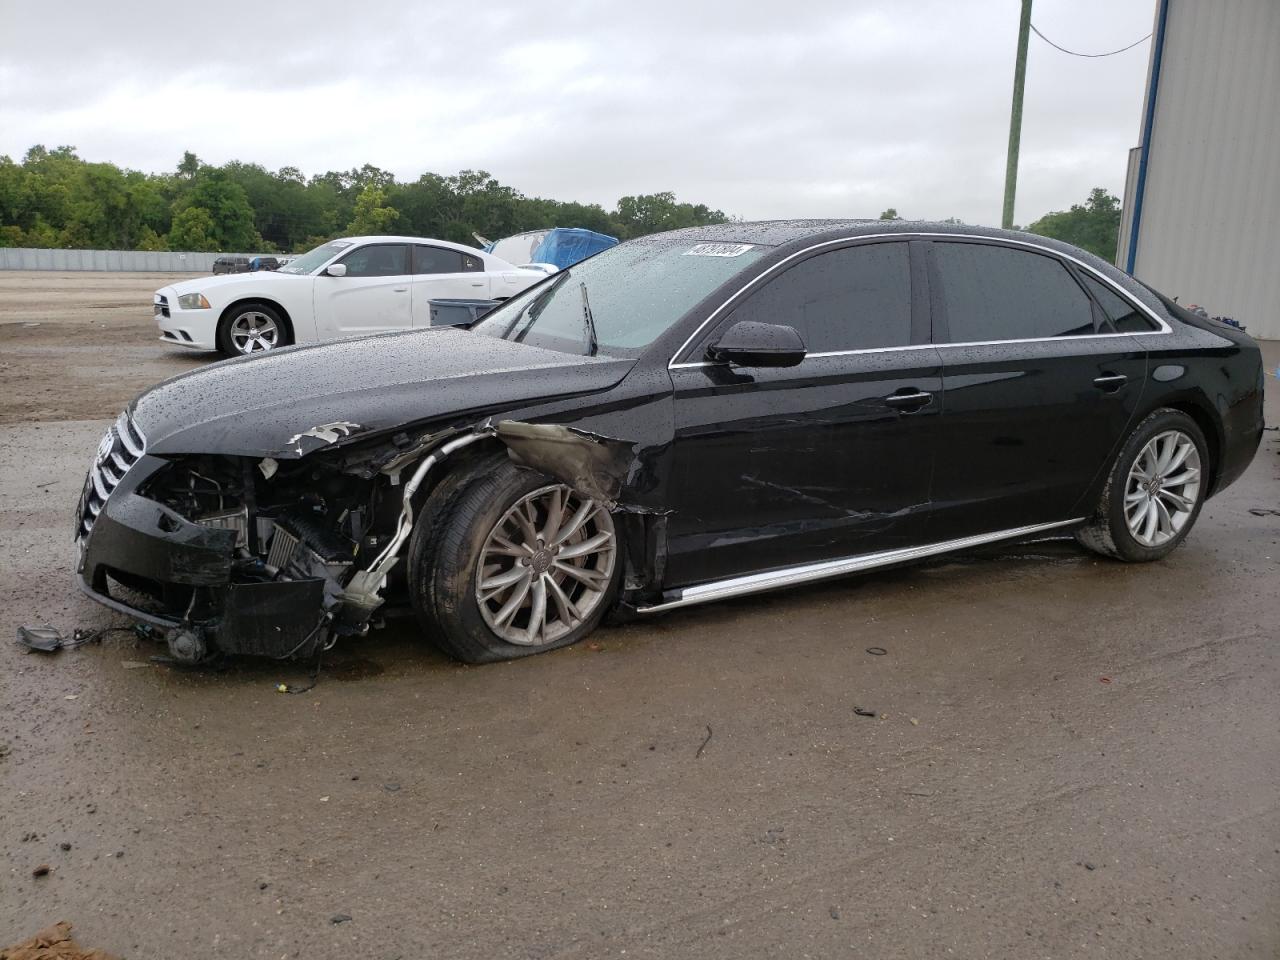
(373, 297)
(775, 467)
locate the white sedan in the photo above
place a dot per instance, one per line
(344, 288)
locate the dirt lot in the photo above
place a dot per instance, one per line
(75, 346)
(1072, 757)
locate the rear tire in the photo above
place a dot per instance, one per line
(1154, 492)
(512, 563)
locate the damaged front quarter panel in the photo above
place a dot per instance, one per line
(595, 466)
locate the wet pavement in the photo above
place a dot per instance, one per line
(1070, 757)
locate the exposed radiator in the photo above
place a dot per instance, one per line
(283, 546)
(237, 520)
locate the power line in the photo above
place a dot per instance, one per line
(1090, 55)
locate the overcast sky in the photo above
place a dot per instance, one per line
(764, 110)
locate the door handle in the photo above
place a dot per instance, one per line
(909, 399)
(480, 284)
(1110, 382)
(401, 290)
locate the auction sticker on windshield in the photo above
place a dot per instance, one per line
(718, 249)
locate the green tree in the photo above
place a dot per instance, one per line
(371, 215)
(890, 214)
(189, 166)
(52, 197)
(228, 207)
(148, 239)
(192, 230)
(1093, 225)
(650, 213)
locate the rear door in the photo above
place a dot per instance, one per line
(775, 467)
(1039, 388)
(373, 297)
(440, 273)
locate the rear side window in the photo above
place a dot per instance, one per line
(999, 293)
(1124, 316)
(436, 260)
(378, 260)
(855, 298)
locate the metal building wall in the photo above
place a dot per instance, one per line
(1209, 231)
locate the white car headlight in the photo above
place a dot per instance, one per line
(193, 301)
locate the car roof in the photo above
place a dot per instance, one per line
(789, 236)
(397, 239)
(777, 233)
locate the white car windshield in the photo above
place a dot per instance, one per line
(312, 259)
(619, 301)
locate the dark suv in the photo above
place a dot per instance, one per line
(230, 265)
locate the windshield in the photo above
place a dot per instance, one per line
(637, 291)
(309, 261)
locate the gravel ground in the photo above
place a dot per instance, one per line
(1070, 758)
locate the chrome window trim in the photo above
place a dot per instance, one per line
(825, 569)
(1124, 294)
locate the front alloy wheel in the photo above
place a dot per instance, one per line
(254, 332)
(252, 328)
(506, 562)
(545, 566)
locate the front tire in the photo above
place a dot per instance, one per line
(250, 328)
(514, 564)
(1154, 492)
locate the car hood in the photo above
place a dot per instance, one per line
(259, 277)
(285, 404)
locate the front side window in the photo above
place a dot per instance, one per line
(996, 293)
(378, 260)
(855, 298)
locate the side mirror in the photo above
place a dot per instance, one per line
(751, 344)
(336, 270)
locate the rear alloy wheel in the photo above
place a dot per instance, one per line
(1163, 488)
(251, 328)
(1154, 492)
(512, 563)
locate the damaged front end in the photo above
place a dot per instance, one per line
(241, 555)
(281, 556)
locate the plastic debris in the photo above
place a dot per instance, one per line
(42, 639)
(46, 639)
(863, 712)
(877, 651)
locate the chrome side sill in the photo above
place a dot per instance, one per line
(809, 572)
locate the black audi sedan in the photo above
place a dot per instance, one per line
(682, 418)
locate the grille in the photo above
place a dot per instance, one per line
(120, 448)
(162, 304)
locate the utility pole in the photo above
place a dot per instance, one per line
(1015, 121)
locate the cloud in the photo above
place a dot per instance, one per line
(760, 109)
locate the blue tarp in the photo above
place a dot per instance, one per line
(565, 246)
